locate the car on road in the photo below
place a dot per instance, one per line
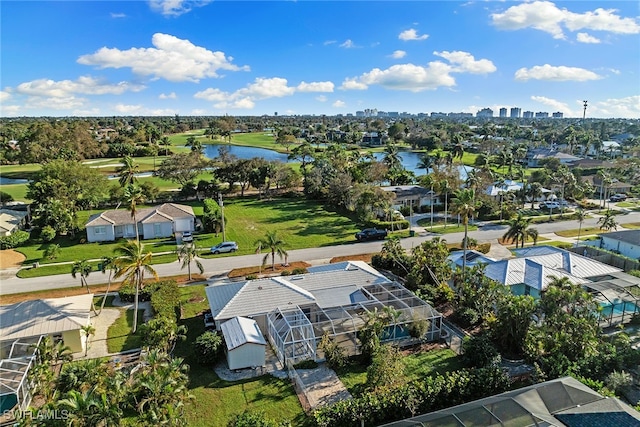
(224, 247)
(187, 236)
(549, 205)
(618, 198)
(371, 234)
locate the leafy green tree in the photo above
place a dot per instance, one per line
(478, 351)
(430, 270)
(208, 347)
(514, 317)
(187, 254)
(608, 221)
(163, 333)
(132, 264)
(52, 251)
(181, 168)
(386, 368)
(274, 244)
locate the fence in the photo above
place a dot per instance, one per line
(618, 261)
(299, 386)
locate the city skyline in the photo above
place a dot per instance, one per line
(106, 58)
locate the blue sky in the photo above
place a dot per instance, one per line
(166, 57)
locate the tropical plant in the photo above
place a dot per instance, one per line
(132, 264)
(134, 196)
(608, 221)
(52, 251)
(83, 268)
(106, 263)
(464, 204)
(88, 331)
(274, 244)
(208, 347)
(188, 253)
(127, 172)
(517, 231)
(580, 215)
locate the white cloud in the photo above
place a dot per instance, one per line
(88, 112)
(4, 95)
(261, 88)
(171, 95)
(628, 107)
(55, 103)
(398, 54)
(414, 78)
(85, 85)
(546, 16)
(175, 7)
(198, 112)
(118, 15)
(339, 104)
(171, 58)
(555, 105)
(464, 62)
(328, 42)
(315, 87)
(411, 34)
(130, 110)
(348, 44)
(586, 38)
(558, 74)
(127, 109)
(321, 98)
(10, 110)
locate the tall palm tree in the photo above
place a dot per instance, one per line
(608, 221)
(517, 231)
(107, 263)
(134, 196)
(464, 204)
(580, 215)
(275, 245)
(188, 253)
(392, 157)
(534, 234)
(88, 331)
(534, 191)
(83, 268)
(457, 149)
(445, 189)
(605, 182)
(127, 172)
(132, 264)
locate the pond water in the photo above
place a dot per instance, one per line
(9, 181)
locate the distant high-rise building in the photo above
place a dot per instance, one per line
(516, 112)
(485, 112)
(359, 113)
(527, 115)
(460, 115)
(438, 114)
(503, 112)
(557, 115)
(542, 115)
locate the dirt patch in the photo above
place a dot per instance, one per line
(11, 259)
(267, 270)
(362, 257)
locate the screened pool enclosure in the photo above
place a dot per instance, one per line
(295, 332)
(618, 300)
(19, 357)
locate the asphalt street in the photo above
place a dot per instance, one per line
(217, 267)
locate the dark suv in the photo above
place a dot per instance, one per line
(371, 234)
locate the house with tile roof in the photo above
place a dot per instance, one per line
(155, 222)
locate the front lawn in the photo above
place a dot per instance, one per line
(585, 231)
(119, 336)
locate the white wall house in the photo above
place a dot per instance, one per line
(625, 242)
(245, 344)
(154, 222)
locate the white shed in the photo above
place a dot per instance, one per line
(246, 346)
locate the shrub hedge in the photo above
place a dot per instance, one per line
(14, 240)
(386, 225)
(164, 296)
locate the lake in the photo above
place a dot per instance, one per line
(410, 160)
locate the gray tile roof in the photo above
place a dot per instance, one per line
(166, 212)
(44, 316)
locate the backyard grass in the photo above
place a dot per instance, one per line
(417, 365)
(217, 401)
(119, 336)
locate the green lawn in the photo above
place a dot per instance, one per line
(632, 225)
(438, 226)
(417, 365)
(217, 401)
(585, 231)
(119, 337)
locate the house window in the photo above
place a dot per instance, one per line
(527, 290)
(100, 230)
(157, 229)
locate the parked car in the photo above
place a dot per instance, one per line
(549, 205)
(187, 236)
(371, 234)
(618, 198)
(224, 247)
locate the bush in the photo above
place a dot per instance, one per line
(419, 327)
(484, 248)
(386, 225)
(14, 240)
(334, 354)
(48, 233)
(165, 299)
(128, 292)
(251, 276)
(306, 364)
(299, 270)
(208, 347)
(253, 419)
(478, 352)
(285, 273)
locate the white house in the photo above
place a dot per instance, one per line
(625, 242)
(11, 221)
(154, 222)
(411, 195)
(60, 318)
(246, 346)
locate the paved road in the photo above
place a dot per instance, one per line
(218, 266)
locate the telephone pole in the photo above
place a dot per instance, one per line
(221, 203)
(584, 111)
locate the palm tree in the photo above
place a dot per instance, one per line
(517, 231)
(275, 245)
(608, 221)
(534, 191)
(134, 196)
(458, 147)
(463, 204)
(107, 263)
(127, 172)
(83, 268)
(605, 182)
(445, 189)
(132, 265)
(188, 253)
(580, 215)
(88, 331)
(392, 158)
(533, 233)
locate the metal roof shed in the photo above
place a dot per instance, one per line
(245, 344)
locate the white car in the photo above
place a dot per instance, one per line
(224, 247)
(549, 205)
(187, 236)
